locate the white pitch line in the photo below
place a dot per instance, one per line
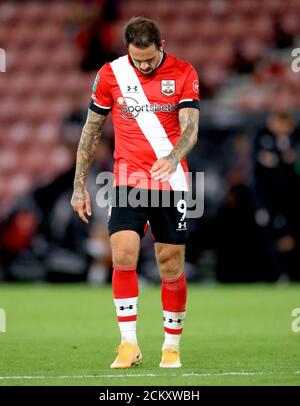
(227, 373)
(77, 376)
(42, 377)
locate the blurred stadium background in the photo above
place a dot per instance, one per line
(249, 139)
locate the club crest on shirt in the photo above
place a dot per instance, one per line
(167, 87)
(196, 86)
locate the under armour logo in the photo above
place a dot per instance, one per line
(181, 225)
(173, 321)
(132, 89)
(130, 307)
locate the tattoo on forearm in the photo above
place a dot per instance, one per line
(89, 139)
(189, 122)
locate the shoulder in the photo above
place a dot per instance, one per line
(105, 70)
(180, 65)
(104, 77)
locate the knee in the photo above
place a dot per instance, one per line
(125, 248)
(124, 257)
(170, 266)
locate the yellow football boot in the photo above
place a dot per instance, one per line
(170, 358)
(129, 355)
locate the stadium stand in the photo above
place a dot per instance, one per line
(241, 49)
(222, 38)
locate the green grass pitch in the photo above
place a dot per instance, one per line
(67, 335)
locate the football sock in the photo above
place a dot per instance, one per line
(125, 292)
(173, 296)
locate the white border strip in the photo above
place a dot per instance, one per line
(102, 107)
(184, 100)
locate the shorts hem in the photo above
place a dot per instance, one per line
(170, 241)
(124, 227)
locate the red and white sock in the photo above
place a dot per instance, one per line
(125, 291)
(173, 296)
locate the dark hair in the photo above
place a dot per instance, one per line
(141, 33)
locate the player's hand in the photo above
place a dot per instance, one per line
(163, 168)
(81, 203)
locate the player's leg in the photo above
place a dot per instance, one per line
(125, 246)
(126, 227)
(170, 260)
(170, 230)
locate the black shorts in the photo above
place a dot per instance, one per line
(164, 211)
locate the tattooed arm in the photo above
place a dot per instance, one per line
(89, 139)
(189, 122)
(164, 168)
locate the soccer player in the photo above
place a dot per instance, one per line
(154, 101)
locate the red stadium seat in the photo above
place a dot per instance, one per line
(136, 8)
(290, 23)
(208, 30)
(246, 7)
(8, 110)
(3, 187)
(49, 85)
(5, 34)
(233, 28)
(15, 61)
(58, 11)
(196, 53)
(33, 109)
(36, 59)
(33, 12)
(222, 54)
(22, 85)
(23, 35)
(252, 49)
(51, 35)
(33, 160)
(56, 110)
(64, 58)
(19, 135)
(272, 7)
(8, 161)
(213, 76)
(60, 159)
(5, 85)
(162, 12)
(18, 185)
(262, 27)
(194, 10)
(47, 134)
